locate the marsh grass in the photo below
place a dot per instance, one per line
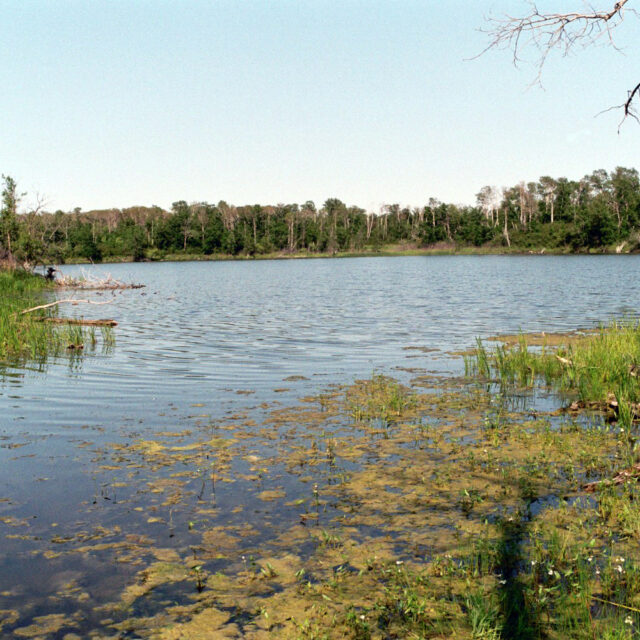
(380, 398)
(596, 367)
(26, 336)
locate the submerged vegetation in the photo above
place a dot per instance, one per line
(434, 508)
(28, 334)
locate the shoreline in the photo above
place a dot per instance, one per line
(383, 253)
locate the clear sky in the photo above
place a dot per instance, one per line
(111, 103)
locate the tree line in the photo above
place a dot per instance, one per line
(599, 211)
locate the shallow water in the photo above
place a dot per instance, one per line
(206, 346)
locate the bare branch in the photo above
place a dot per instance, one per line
(547, 31)
(561, 32)
(628, 107)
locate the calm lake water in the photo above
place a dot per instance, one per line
(203, 341)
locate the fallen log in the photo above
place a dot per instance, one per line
(106, 322)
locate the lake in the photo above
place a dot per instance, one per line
(208, 359)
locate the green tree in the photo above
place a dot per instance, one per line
(599, 227)
(83, 243)
(9, 213)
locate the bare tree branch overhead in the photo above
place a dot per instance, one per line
(561, 32)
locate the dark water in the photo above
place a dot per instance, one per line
(200, 333)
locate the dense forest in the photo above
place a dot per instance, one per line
(599, 212)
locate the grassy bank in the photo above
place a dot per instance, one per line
(27, 336)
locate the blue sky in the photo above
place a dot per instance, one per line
(112, 103)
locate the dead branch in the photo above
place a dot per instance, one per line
(559, 31)
(547, 31)
(40, 204)
(81, 321)
(93, 283)
(628, 104)
(69, 301)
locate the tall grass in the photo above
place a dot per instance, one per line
(598, 367)
(26, 336)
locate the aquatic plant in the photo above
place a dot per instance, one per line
(467, 519)
(380, 398)
(27, 335)
(599, 368)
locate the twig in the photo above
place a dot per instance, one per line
(620, 478)
(547, 32)
(615, 604)
(70, 301)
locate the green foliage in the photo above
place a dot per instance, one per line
(600, 368)
(595, 213)
(9, 213)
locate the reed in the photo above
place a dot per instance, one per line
(26, 336)
(597, 367)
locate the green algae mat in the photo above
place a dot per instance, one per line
(442, 508)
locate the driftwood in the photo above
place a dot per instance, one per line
(69, 300)
(633, 473)
(565, 361)
(107, 322)
(90, 282)
(610, 404)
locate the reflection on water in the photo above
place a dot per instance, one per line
(16, 369)
(205, 358)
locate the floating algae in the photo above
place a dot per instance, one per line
(372, 510)
(44, 626)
